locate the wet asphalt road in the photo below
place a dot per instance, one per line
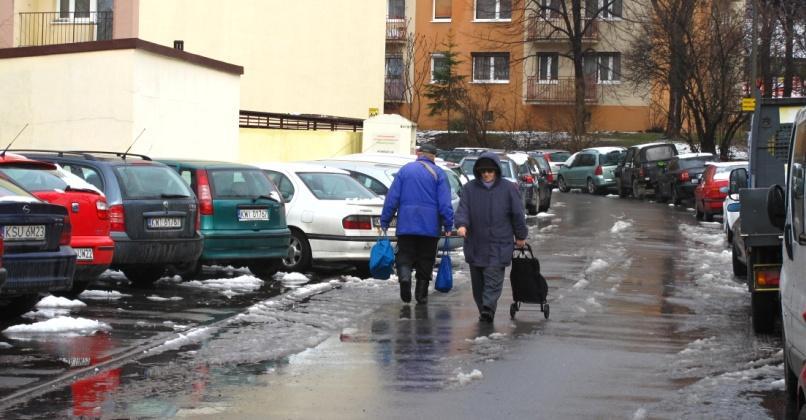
(646, 321)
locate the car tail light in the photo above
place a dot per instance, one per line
(598, 170)
(102, 209)
(528, 179)
(550, 176)
(684, 176)
(768, 277)
(117, 218)
(203, 191)
(67, 232)
(357, 222)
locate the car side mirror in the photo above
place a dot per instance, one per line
(286, 196)
(776, 206)
(738, 180)
(797, 182)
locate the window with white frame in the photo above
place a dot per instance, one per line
(608, 9)
(76, 9)
(442, 10)
(609, 66)
(549, 9)
(396, 9)
(493, 9)
(547, 67)
(439, 66)
(490, 67)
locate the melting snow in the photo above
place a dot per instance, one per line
(193, 336)
(228, 287)
(545, 215)
(163, 299)
(59, 302)
(596, 265)
(620, 226)
(581, 284)
(61, 325)
(465, 378)
(102, 295)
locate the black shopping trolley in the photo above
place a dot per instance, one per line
(528, 285)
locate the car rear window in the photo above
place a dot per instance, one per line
(559, 156)
(330, 186)
(240, 183)
(35, 179)
(698, 162)
(9, 189)
(150, 181)
(723, 172)
(611, 158)
(658, 153)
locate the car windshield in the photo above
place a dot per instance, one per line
(331, 186)
(697, 162)
(659, 153)
(35, 179)
(150, 181)
(559, 156)
(240, 183)
(611, 158)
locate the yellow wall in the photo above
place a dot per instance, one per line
(307, 57)
(266, 145)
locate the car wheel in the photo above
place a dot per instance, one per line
(189, 271)
(622, 193)
(15, 306)
(762, 307)
(591, 187)
(264, 269)
(739, 268)
(144, 275)
(299, 253)
(790, 378)
(708, 216)
(635, 191)
(676, 196)
(562, 185)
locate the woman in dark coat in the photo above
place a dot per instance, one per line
(491, 219)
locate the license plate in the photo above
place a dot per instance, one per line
(253, 214)
(695, 181)
(24, 233)
(376, 221)
(84, 254)
(164, 223)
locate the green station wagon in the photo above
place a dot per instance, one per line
(242, 216)
(590, 169)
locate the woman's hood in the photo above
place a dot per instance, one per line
(487, 156)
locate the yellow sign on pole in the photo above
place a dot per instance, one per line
(748, 104)
(373, 112)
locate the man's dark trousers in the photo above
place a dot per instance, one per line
(418, 253)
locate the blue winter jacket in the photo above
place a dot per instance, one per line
(421, 201)
(493, 216)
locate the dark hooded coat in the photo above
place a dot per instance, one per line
(493, 216)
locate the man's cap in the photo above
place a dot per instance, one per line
(427, 148)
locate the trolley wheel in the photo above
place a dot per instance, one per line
(512, 309)
(546, 310)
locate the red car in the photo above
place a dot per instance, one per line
(86, 208)
(712, 189)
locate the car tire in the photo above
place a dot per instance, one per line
(562, 185)
(189, 271)
(144, 275)
(591, 187)
(15, 306)
(762, 307)
(622, 193)
(790, 378)
(739, 268)
(299, 253)
(264, 269)
(635, 189)
(676, 195)
(708, 216)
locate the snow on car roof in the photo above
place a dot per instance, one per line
(606, 149)
(723, 164)
(518, 158)
(694, 155)
(300, 166)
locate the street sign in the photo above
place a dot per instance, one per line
(373, 112)
(748, 104)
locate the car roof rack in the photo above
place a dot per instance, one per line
(87, 154)
(60, 153)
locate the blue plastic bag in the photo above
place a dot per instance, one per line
(381, 259)
(444, 281)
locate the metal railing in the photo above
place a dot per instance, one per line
(559, 91)
(396, 29)
(255, 119)
(394, 89)
(50, 28)
(545, 30)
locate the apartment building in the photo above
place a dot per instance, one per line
(516, 63)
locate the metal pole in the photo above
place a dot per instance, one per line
(755, 122)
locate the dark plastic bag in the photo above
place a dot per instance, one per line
(382, 259)
(444, 281)
(528, 285)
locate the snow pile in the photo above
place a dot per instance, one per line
(192, 337)
(228, 287)
(581, 284)
(46, 313)
(51, 301)
(4, 345)
(465, 378)
(545, 215)
(62, 325)
(102, 295)
(163, 299)
(597, 265)
(620, 226)
(291, 280)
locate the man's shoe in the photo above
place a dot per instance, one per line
(486, 315)
(421, 291)
(405, 291)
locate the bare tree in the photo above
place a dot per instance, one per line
(417, 65)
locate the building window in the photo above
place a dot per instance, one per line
(608, 9)
(394, 66)
(76, 9)
(549, 9)
(491, 67)
(547, 67)
(439, 67)
(442, 9)
(609, 67)
(396, 9)
(493, 9)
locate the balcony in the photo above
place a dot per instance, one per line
(396, 29)
(50, 28)
(558, 92)
(545, 30)
(394, 90)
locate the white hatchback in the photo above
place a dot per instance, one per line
(331, 216)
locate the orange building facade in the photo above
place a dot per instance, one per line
(513, 63)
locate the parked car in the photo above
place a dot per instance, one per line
(555, 157)
(681, 177)
(712, 189)
(36, 252)
(87, 211)
(533, 202)
(639, 170)
(242, 216)
(591, 170)
(153, 214)
(538, 187)
(331, 216)
(545, 169)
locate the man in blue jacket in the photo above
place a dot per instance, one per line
(421, 197)
(490, 217)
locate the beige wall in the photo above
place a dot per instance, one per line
(103, 100)
(265, 145)
(310, 57)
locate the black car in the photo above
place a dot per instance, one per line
(638, 172)
(153, 213)
(37, 257)
(681, 177)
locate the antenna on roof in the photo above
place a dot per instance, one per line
(130, 146)
(13, 140)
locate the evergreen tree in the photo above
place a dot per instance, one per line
(448, 88)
